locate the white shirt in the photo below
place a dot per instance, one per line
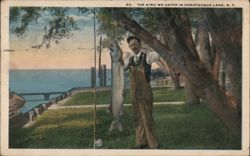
(151, 57)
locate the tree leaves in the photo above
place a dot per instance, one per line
(20, 18)
(60, 25)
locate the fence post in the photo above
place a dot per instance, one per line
(31, 115)
(44, 107)
(100, 76)
(37, 112)
(104, 75)
(93, 75)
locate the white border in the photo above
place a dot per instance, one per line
(4, 77)
(5, 4)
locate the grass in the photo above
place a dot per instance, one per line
(56, 129)
(104, 97)
(177, 127)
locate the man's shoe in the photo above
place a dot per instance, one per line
(141, 147)
(157, 147)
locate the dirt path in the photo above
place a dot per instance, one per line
(59, 106)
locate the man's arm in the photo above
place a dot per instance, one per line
(152, 57)
(126, 61)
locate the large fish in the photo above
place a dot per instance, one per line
(117, 86)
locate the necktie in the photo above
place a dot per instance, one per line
(136, 59)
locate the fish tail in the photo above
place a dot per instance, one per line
(115, 125)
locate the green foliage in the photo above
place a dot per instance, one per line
(14, 14)
(168, 95)
(67, 128)
(104, 97)
(84, 11)
(146, 18)
(194, 14)
(177, 127)
(109, 27)
(192, 127)
(20, 18)
(60, 26)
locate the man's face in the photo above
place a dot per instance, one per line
(135, 46)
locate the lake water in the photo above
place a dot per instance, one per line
(34, 81)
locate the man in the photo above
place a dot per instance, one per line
(139, 66)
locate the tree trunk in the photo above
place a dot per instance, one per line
(203, 45)
(191, 97)
(186, 32)
(230, 43)
(186, 64)
(175, 79)
(174, 75)
(163, 65)
(185, 28)
(217, 63)
(222, 80)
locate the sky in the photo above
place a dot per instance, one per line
(74, 53)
